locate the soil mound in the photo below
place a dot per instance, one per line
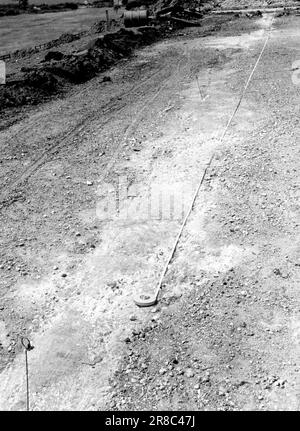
(57, 71)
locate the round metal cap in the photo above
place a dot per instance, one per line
(145, 300)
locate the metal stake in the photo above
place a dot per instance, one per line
(107, 20)
(27, 346)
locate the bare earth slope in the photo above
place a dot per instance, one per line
(225, 333)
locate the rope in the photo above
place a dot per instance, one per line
(159, 285)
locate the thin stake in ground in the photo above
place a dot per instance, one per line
(27, 346)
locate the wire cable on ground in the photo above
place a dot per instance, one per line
(141, 301)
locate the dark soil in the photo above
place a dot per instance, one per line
(57, 71)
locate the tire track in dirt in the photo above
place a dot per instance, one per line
(61, 141)
(111, 106)
(130, 128)
(156, 92)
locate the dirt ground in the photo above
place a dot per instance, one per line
(228, 4)
(94, 189)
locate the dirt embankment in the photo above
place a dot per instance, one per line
(55, 74)
(63, 39)
(58, 70)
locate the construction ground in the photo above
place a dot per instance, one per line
(95, 185)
